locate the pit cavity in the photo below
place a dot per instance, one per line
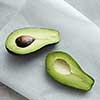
(62, 67)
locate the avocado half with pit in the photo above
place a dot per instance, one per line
(64, 69)
(28, 40)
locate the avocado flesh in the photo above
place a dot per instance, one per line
(42, 36)
(68, 71)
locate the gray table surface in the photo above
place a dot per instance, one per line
(90, 8)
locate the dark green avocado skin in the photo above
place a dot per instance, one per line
(31, 52)
(10, 51)
(46, 64)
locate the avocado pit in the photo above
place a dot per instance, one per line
(24, 41)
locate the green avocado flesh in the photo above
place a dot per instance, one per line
(64, 69)
(28, 40)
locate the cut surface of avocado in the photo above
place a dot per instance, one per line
(28, 40)
(65, 70)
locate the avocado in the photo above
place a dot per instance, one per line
(27, 40)
(65, 70)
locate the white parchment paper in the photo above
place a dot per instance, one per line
(79, 37)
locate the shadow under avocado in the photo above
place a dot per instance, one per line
(25, 59)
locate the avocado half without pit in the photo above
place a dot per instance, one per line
(28, 40)
(64, 69)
